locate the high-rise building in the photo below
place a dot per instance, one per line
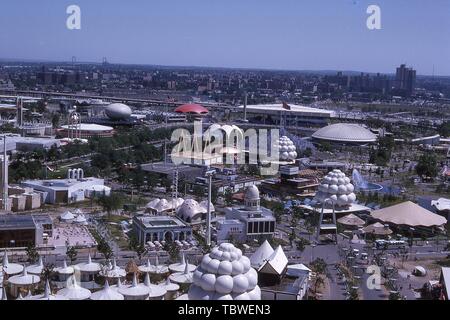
(405, 79)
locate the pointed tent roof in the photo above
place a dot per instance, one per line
(261, 255)
(107, 293)
(146, 267)
(47, 295)
(65, 269)
(36, 268)
(180, 266)
(89, 266)
(73, 291)
(276, 264)
(351, 220)
(10, 268)
(410, 214)
(114, 271)
(182, 277)
(67, 216)
(134, 290)
(169, 286)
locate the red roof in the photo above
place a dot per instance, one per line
(192, 108)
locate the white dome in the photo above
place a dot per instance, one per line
(345, 132)
(336, 187)
(192, 211)
(118, 111)
(224, 274)
(252, 193)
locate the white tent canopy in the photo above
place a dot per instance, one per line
(47, 295)
(89, 266)
(66, 216)
(65, 269)
(134, 291)
(73, 291)
(36, 268)
(410, 214)
(276, 263)
(261, 255)
(107, 294)
(24, 279)
(180, 266)
(10, 268)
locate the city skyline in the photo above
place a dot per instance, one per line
(234, 35)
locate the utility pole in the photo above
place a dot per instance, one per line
(209, 175)
(5, 175)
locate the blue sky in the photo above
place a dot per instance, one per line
(278, 34)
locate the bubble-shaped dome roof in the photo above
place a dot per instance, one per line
(225, 274)
(336, 186)
(287, 149)
(192, 211)
(118, 111)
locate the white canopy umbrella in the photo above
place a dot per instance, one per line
(73, 291)
(107, 293)
(80, 219)
(134, 291)
(24, 279)
(10, 268)
(89, 266)
(47, 295)
(156, 292)
(184, 277)
(36, 268)
(169, 286)
(114, 271)
(154, 269)
(78, 211)
(65, 269)
(117, 286)
(67, 216)
(180, 266)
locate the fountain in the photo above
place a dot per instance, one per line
(362, 184)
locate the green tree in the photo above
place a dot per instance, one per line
(427, 166)
(71, 253)
(32, 253)
(110, 203)
(173, 250)
(104, 248)
(137, 246)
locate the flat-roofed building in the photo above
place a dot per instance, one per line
(23, 230)
(158, 228)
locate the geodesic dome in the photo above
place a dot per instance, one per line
(336, 186)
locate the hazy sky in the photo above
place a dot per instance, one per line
(281, 34)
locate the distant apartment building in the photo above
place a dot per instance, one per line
(405, 79)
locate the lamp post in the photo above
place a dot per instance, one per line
(209, 174)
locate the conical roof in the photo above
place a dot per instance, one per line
(182, 277)
(67, 216)
(134, 290)
(10, 268)
(36, 268)
(65, 269)
(107, 294)
(169, 286)
(132, 267)
(154, 290)
(114, 271)
(351, 220)
(180, 266)
(261, 254)
(88, 266)
(47, 295)
(73, 291)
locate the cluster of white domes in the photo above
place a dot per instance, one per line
(336, 186)
(225, 274)
(191, 211)
(287, 149)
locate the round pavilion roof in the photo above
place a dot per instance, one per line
(345, 132)
(47, 295)
(36, 268)
(169, 286)
(114, 271)
(10, 268)
(181, 266)
(89, 266)
(65, 269)
(73, 291)
(154, 290)
(24, 279)
(134, 290)
(107, 293)
(192, 109)
(184, 277)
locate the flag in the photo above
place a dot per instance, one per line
(286, 106)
